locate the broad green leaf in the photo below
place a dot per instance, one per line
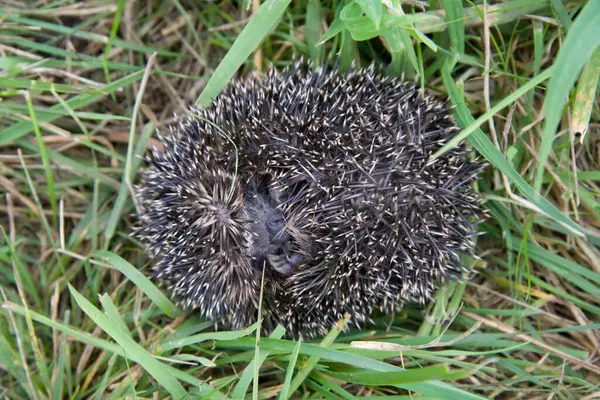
(373, 9)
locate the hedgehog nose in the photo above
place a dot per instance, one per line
(275, 224)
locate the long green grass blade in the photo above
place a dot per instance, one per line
(581, 41)
(45, 159)
(400, 377)
(139, 280)
(21, 129)
(249, 39)
(485, 147)
(137, 352)
(433, 388)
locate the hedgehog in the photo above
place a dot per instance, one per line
(312, 192)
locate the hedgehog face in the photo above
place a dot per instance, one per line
(267, 235)
(265, 225)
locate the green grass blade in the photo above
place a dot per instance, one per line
(75, 166)
(137, 352)
(128, 178)
(334, 29)
(407, 376)
(249, 39)
(22, 128)
(202, 337)
(81, 115)
(94, 37)
(104, 382)
(505, 102)
(485, 147)
(40, 209)
(113, 34)
(33, 337)
(248, 375)
(45, 160)
(38, 86)
(581, 41)
(86, 337)
(563, 16)
(111, 311)
(285, 389)
(456, 25)
(314, 23)
(432, 388)
(141, 281)
(331, 386)
(119, 205)
(314, 360)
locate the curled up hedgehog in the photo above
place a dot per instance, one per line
(322, 181)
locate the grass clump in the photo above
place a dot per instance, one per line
(85, 84)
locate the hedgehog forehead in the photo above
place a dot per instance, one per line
(262, 200)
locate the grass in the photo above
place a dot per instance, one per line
(84, 85)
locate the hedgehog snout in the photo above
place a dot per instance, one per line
(268, 232)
